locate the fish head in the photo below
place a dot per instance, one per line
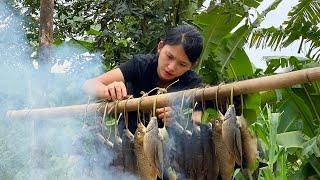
(195, 128)
(153, 123)
(242, 121)
(219, 119)
(118, 140)
(217, 122)
(187, 134)
(140, 132)
(109, 144)
(127, 135)
(205, 126)
(231, 114)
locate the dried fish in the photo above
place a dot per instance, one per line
(145, 170)
(106, 142)
(249, 144)
(231, 134)
(153, 146)
(118, 161)
(129, 158)
(187, 146)
(225, 160)
(168, 172)
(176, 151)
(210, 163)
(117, 147)
(197, 156)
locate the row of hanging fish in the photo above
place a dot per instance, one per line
(207, 151)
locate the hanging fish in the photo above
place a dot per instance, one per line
(210, 163)
(103, 146)
(118, 161)
(145, 170)
(129, 158)
(168, 171)
(249, 144)
(188, 153)
(176, 151)
(225, 160)
(198, 158)
(108, 144)
(231, 134)
(117, 147)
(153, 146)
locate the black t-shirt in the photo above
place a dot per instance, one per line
(140, 74)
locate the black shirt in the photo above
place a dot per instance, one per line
(140, 74)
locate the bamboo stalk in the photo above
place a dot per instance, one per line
(241, 87)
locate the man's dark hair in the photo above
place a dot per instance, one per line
(189, 38)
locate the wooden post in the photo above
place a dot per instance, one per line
(38, 154)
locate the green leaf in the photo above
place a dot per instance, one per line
(240, 65)
(261, 132)
(293, 139)
(58, 42)
(302, 25)
(93, 31)
(305, 10)
(266, 173)
(315, 163)
(312, 100)
(231, 45)
(268, 97)
(253, 102)
(214, 26)
(281, 164)
(274, 121)
(250, 115)
(78, 19)
(311, 147)
(295, 63)
(238, 175)
(208, 115)
(252, 3)
(294, 108)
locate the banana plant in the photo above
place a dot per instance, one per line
(302, 26)
(223, 58)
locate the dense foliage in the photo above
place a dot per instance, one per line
(118, 29)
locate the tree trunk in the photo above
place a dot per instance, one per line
(38, 154)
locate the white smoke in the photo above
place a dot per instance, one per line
(68, 148)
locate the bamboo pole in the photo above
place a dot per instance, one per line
(240, 87)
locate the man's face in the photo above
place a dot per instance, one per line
(172, 62)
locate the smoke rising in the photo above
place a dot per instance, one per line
(67, 148)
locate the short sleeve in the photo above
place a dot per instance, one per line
(130, 69)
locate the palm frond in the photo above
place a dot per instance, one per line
(275, 62)
(303, 26)
(306, 10)
(267, 37)
(277, 38)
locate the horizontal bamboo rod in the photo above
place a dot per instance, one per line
(241, 87)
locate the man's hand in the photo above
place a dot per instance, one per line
(115, 91)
